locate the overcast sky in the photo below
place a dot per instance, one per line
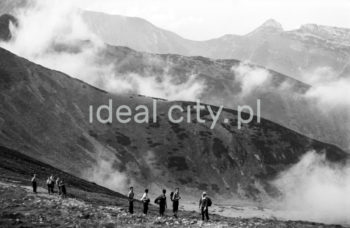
(205, 19)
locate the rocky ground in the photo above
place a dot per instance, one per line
(19, 207)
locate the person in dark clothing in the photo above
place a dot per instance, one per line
(145, 201)
(131, 200)
(63, 189)
(52, 184)
(204, 203)
(176, 198)
(34, 183)
(161, 200)
(58, 186)
(48, 183)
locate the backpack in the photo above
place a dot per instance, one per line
(209, 202)
(157, 200)
(172, 196)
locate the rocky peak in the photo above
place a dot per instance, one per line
(272, 23)
(270, 26)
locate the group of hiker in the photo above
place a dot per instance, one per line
(161, 200)
(51, 182)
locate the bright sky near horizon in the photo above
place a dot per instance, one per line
(206, 19)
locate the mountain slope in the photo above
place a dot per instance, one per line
(227, 82)
(127, 32)
(45, 114)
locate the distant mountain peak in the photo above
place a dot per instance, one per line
(272, 23)
(269, 26)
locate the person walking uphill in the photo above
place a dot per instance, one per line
(131, 200)
(34, 183)
(145, 201)
(48, 183)
(58, 185)
(62, 186)
(175, 197)
(204, 203)
(161, 200)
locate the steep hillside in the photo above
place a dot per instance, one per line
(19, 168)
(45, 114)
(229, 83)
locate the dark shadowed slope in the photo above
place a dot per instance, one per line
(44, 114)
(20, 167)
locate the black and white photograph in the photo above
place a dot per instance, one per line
(164, 113)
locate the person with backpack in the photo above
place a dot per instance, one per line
(52, 184)
(161, 201)
(175, 197)
(204, 203)
(145, 200)
(58, 186)
(48, 183)
(63, 188)
(34, 183)
(131, 200)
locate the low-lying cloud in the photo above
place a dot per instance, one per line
(251, 78)
(105, 173)
(315, 189)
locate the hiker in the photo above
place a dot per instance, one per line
(58, 186)
(131, 200)
(48, 183)
(34, 183)
(63, 189)
(52, 183)
(145, 201)
(175, 197)
(204, 203)
(161, 200)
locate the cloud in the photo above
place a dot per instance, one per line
(105, 173)
(251, 78)
(156, 86)
(327, 89)
(315, 189)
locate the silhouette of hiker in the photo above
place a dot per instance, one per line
(48, 183)
(161, 200)
(176, 198)
(34, 183)
(131, 200)
(58, 186)
(52, 183)
(204, 203)
(63, 189)
(145, 201)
